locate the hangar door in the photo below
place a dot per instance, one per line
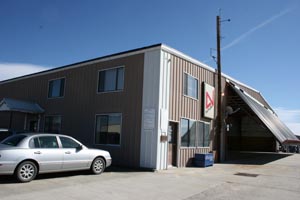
(251, 126)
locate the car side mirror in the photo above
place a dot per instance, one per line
(79, 148)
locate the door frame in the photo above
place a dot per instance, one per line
(175, 150)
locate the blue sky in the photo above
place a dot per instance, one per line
(260, 44)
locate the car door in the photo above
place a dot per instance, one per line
(46, 151)
(75, 156)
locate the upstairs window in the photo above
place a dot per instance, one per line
(111, 80)
(56, 88)
(190, 86)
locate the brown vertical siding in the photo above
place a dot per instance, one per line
(187, 155)
(81, 103)
(182, 106)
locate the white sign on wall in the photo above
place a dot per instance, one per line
(208, 101)
(149, 118)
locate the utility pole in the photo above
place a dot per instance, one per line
(219, 102)
(219, 107)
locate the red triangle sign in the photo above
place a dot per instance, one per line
(209, 101)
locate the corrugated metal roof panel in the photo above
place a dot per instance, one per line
(268, 117)
(8, 104)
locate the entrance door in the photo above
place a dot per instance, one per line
(172, 143)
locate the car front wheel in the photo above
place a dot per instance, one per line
(98, 166)
(26, 171)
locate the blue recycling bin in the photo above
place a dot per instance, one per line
(204, 159)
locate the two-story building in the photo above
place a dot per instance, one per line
(152, 107)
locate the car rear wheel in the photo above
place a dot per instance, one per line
(26, 171)
(98, 166)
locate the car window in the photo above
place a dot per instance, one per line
(68, 142)
(46, 142)
(4, 134)
(13, 140)
(34, 143)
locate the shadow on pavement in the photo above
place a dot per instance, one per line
(10, 179)
(254, 158)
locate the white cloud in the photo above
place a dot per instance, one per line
(257, 27)
(290, 117)
(12, 70)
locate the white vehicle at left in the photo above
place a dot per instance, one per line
(26, 155)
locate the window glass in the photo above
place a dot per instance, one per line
(108, 129)
(193, 129)
(34, 143)
(194, 133)
(111, 80)
(200, 135)
(68, 142)
(56, 88)
(120, 81)
(48, 142)
(52, 124)
(184, 132)
(13, 140)
(206, 134)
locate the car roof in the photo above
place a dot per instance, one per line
(42, 134)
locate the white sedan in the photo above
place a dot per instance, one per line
(26, 155)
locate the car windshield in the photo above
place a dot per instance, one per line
(13, 140)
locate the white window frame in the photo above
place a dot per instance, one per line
(95, 129)
(196, 145)
(98, 79)
(65, 83)
(184, 85)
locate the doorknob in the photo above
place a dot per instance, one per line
(68, 152)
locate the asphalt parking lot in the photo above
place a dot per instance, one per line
(266, 176)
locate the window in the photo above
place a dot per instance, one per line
(194, 133)
(190, 86)
(188, 133)
(13, 141)
(203, 134)
(44, 142)
(56, 88)
(206, 131)
(52, 124)
(184, 132)
(111, 80)
(108, 129)
(68, 142)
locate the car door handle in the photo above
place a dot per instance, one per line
(37, 152)
(68, 152)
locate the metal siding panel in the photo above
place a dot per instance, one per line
(81, 103)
